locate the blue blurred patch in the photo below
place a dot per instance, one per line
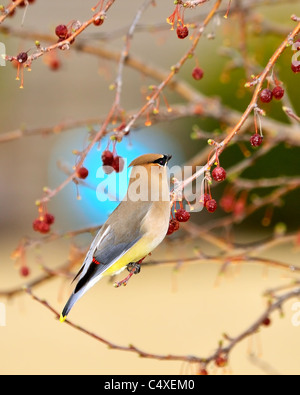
(90, 210)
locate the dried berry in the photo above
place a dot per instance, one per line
(49, 219)
(256, 140)
(204, 198)
(218, 174)
(24, 271)
(118, 164)
(107, 158)
(173, 226)
(61, 31)
(182, 32)
(197, 73)
(266, 95)
(266, 322)
(182, 216)
(22, 57)
(82, 173)
(278, 92)
(211, 205)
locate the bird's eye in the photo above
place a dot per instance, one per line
(160, 161)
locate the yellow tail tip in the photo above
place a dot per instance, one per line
(62, 318)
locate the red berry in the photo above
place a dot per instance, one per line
(36, 225)
(54, 64)
(98, 21)
(211, 205)
(197, 73)
(256, 140)
(22, 57)
(203, 372)
(107, 158)
(221, 361)
(49, 218)
(204, 199)
(82, 173)
(278, 92)
(182, 216)
(61, 31)
(266, 95)
(118, 164)
(182, 32)
(296, 45)
(173, 226)
(227, 202)
(44, 227)
(24, 271)
(295, 68)
(219, 174)
(266, 322)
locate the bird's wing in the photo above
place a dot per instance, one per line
(113, 240)
(104, 256)
(111, 243)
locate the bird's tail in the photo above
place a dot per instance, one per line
(70, 303)
(83, 285)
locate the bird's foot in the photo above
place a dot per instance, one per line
(133, 268)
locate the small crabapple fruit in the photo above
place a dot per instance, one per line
(211, 205)
(218, 174)
(107, 158)
(182, 215)
(266, 95)
(182, 32)
(61, 31)
(118, 164)
(82, 173)
(24, 271)
(49, 218)
(256, 140)
(278, 92)
(197, 73)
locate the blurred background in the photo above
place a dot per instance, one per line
(179, 308)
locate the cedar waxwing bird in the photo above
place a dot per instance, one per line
(134, 229)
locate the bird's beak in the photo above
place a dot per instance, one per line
(167, 158)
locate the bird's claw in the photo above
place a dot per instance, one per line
(133, 268)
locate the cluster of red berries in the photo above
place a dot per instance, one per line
(181, 215)
(112, 162)
(266, 95)
(42, 224)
